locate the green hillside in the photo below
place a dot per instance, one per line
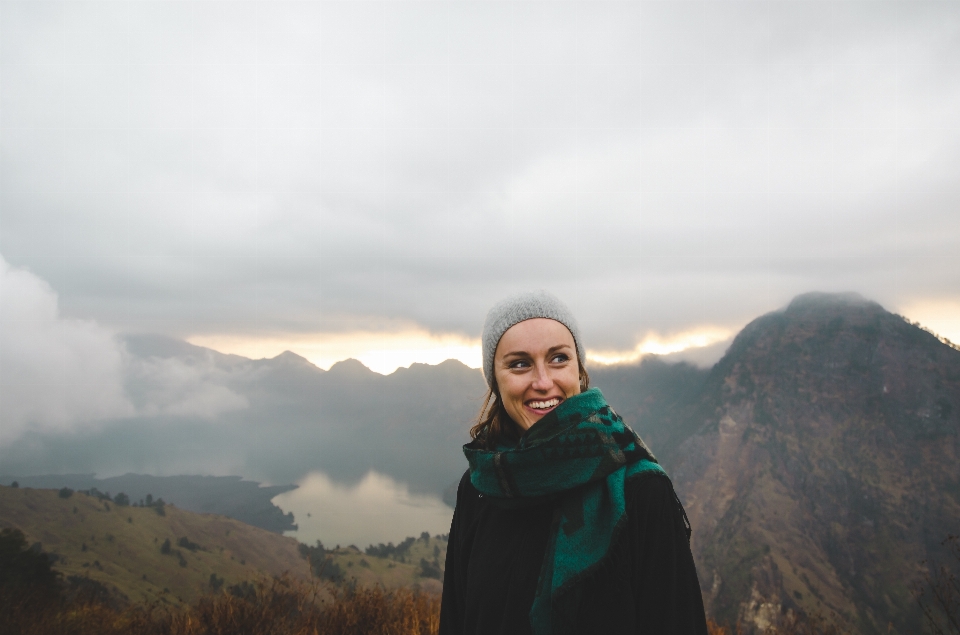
(401, 569)
(121, 546)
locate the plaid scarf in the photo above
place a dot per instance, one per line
(580, 456)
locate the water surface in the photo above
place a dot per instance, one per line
(377, 509)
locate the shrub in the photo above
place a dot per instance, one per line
(188, 545)
(215, 582)
(65, 492)
(430, 569)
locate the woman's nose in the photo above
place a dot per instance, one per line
(542, 381)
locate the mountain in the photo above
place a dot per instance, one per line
(819, 465)
(271, 420)
(817, 459)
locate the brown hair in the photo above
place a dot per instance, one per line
(493, 420)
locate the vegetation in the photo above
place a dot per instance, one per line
(789, 623)
(35, 600)
(939, 593)
(140, 556)
(281, 606)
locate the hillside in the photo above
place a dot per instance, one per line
(400, 569)
(121, 546)
(822, 466)
(246, 501)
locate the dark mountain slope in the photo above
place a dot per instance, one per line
(657, 399)
(826, 468)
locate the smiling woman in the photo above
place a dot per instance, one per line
(536, 368)
(564, 521)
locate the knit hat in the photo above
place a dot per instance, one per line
(517, 308)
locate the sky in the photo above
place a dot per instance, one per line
(365, 179)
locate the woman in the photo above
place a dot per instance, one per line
(564, 522)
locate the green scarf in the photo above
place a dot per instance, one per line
(580, 455)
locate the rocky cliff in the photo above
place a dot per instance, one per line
(822, 465)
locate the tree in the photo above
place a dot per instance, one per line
(25, 573)
(121, 499)
(65, 492)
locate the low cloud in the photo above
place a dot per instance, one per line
(56, 374)
(59, 374)
(170, 386)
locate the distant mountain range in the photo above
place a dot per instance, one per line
(817, 460)
(299, 418)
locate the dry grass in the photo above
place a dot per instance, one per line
(282, 606)
(790, 624)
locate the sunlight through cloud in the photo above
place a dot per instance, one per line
(654, 344)
(942, 316)
(382, 352)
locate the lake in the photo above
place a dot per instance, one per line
(374, 510)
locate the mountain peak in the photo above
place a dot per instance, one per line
(350, 367)
(818, 301)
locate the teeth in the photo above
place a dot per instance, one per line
(540, 405)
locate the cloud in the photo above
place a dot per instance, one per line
(174, 387)
(56, 374)
(308, 167)
(62, 375)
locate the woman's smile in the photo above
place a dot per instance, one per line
(542, 407)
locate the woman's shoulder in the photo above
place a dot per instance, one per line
(467, 494)
(649, 485)
(651, 497)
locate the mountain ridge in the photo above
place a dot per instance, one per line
(822, 465)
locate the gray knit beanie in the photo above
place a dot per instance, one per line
(517, 308)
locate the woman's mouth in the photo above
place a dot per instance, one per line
(545, 405)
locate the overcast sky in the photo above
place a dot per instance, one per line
(324, 176)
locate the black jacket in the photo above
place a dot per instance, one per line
(648, 583)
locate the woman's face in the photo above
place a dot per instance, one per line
(536, 368)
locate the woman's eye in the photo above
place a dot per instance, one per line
(559, 358)
(520, 363)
